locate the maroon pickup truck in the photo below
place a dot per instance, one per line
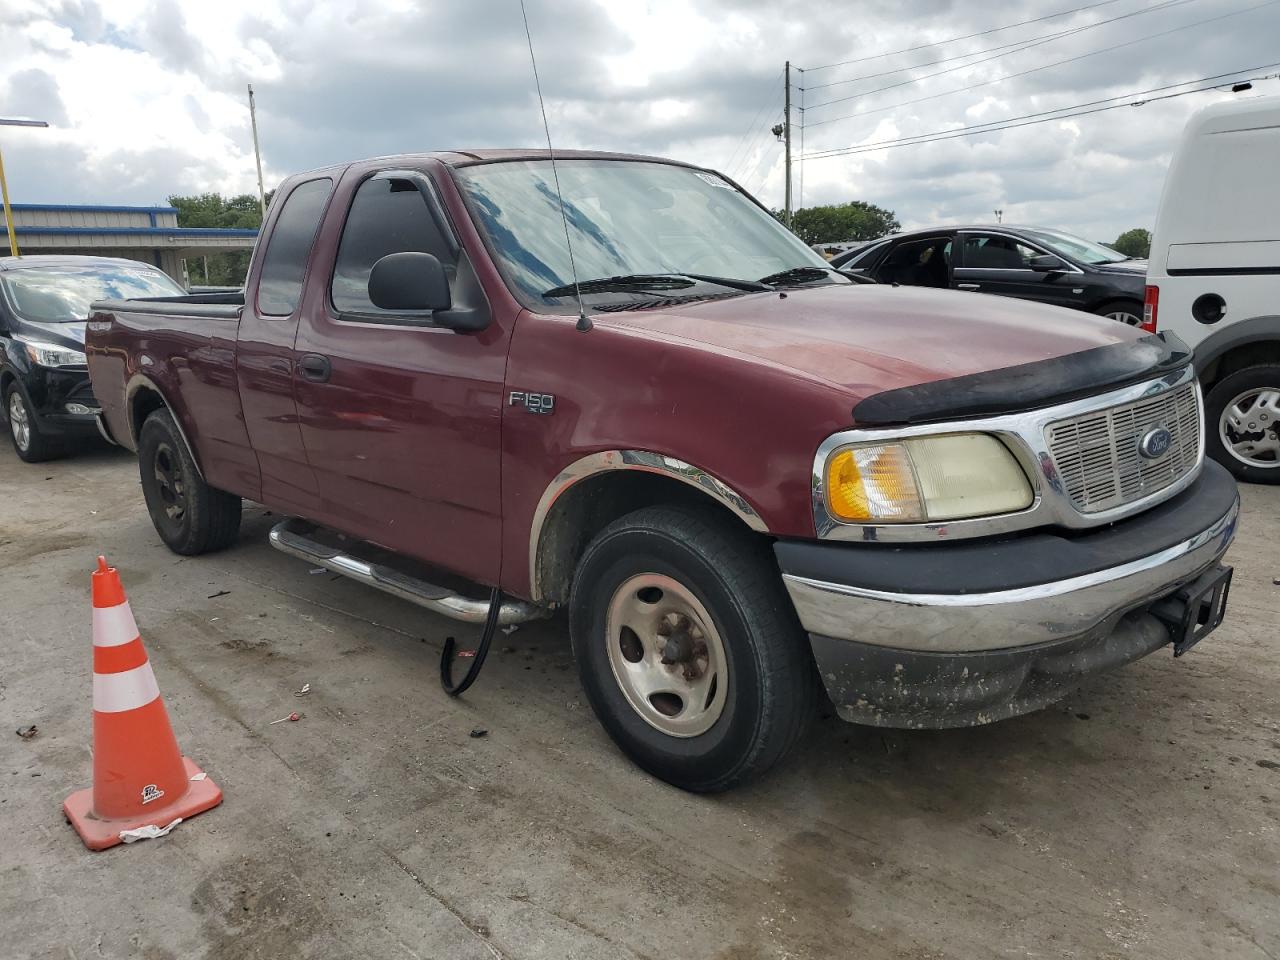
(747, 477)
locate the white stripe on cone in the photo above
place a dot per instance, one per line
(127, 690)
(113, 626)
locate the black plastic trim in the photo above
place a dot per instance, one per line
(914, 689)
(1027, 386)
(1235, 334)
(1044, 556)
(1225, 272)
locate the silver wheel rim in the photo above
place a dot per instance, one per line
(666, 655)
(1250, 427)
(1124, 316)
(19, 423)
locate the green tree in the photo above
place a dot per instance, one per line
(240, 212)
(841, 222)
(1133, 243)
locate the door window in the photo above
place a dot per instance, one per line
(387, 216)
(918, 263)
(997, 252)
(285, 260)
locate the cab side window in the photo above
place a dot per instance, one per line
(387, 216)
(995, 252)
(289, 247)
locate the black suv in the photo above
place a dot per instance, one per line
(1032, 263)
(44, 304)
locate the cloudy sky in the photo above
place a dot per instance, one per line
(147, 97)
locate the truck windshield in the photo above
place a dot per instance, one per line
(633, 222)
(61, 293)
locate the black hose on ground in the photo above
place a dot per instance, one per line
(482, 650)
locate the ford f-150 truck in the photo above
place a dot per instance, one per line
(617, 385)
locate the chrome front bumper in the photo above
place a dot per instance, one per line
(964, 633)
(1024, 616)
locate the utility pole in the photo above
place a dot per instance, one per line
(257, 152)
(786, 133)
(999, 215)
(4, 186)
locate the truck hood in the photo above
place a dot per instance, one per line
(869, 338)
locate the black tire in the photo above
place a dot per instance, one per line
(1132, 310)
(34, 446)
(770, 678)
(190, 516)
(1222, 394)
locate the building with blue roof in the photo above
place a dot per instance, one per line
(150, 234)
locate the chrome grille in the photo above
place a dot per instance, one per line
(1097, 453)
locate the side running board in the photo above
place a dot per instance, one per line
(299, 538)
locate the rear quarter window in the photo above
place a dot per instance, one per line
(285, 261)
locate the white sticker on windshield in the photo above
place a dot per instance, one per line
(715, 181)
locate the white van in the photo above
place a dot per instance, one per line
(1214, 276)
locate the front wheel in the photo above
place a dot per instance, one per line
(1242, 423)
(688, 648)
(29, 442)
(190, 516)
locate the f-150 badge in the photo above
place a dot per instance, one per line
(532, 402)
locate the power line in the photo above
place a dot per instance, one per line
(1032, 42)
(754, 120)
(971, 36)
(766, 130)
(1046, 66)
(1062, 113)
(751, 168)
(1166, 4)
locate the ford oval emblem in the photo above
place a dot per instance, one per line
(1155, 443)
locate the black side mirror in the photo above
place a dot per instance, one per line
(409, 281)
(1048, 263)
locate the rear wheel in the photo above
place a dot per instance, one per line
(688, 648)
(1242, 423)
(1125, 311)
(190, 516)
(29, 442)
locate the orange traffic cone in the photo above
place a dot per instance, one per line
(142, 784)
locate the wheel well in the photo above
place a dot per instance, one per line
(589, 506)
(142, 404)
(1109, 301)
(6, 378)
(1253, 354)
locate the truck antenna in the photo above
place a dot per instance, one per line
(584, 322)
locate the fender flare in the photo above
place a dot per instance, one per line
(1253, 330)
(140, 381)
(644, 461)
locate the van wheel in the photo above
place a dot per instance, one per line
(1242, 423)
(190, 516)
(24, 432)
(688, 648)
(1126, 311)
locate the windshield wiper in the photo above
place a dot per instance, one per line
(629, 281)
(797, 275)
(645, 282)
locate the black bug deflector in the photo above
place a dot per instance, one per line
(1027, 386)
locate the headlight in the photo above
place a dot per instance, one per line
(925, 479)
(49, 355)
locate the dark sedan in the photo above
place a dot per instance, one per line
(44, 304)
(1031, 263)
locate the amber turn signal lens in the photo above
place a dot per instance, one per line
(873, 483)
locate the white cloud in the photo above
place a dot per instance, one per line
(148, 96)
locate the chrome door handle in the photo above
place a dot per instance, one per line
(967, 286)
